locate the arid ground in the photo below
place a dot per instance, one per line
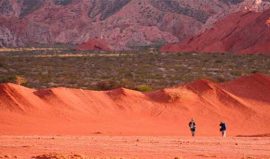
(66, 123)
(84, 79)
(116, 147)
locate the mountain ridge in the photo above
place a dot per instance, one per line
(123, 24)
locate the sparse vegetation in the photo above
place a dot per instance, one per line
(62, 2)
(20, 80)
(144, 88)
(29, 6)
(59, 156)
(142, 71)
(107, 85)
(107, 9)
(174, 7)
(7, 78)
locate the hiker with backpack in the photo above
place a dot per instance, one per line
(223, 129)
(192, 126)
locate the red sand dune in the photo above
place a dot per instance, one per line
(242, 32)
(94, 44)
(243, 103)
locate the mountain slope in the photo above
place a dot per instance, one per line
(242, 32)
(123, 24)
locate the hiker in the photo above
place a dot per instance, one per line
(222, 129)
(192, 127)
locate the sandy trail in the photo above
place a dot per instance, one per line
(145, 147)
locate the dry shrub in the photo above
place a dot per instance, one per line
(58, 156)
(144, 88)
(20, 80)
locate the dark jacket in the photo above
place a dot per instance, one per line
(192, 126)
(222, 126)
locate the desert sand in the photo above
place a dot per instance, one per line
(133, 147)
(59, 123)
(244, 104)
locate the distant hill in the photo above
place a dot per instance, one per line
(241, 32)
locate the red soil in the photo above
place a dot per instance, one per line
(133, 147)
(242, 32)
(243, 103)
(94, 44)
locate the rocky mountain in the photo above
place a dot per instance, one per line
(123, 24)
(241, 32)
